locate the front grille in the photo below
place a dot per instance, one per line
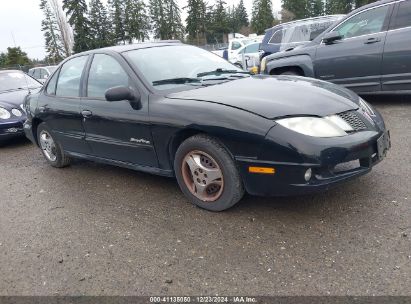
(353, 119)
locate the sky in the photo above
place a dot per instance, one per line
(20, 24)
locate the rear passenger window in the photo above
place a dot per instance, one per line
(68, 83)
(51, 86)
(277, 37)
(105, 73)
(403, 18)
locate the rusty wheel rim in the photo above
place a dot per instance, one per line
(202, 176)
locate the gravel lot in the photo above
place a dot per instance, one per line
(100, 230)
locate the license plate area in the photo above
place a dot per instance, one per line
(383, 144)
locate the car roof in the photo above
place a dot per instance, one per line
(319, 18)
(135, 46)
(373, 4)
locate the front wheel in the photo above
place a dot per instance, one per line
(51, 149)
(207, 174)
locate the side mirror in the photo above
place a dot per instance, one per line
(124, 93)
(331, 37)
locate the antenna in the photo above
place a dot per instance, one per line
(14, 40)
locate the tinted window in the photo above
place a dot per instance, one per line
(404, 15)
(252, 48)
(277, 37)
(70, 75)
(105, 73)
(51, 87)
(42, 73)
(368, 22)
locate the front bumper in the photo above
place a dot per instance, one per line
(332, 161)
(10, 129)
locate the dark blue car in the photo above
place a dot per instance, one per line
(14, 87)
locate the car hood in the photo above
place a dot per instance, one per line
(277, 96)
(13, 99)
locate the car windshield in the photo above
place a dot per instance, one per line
(16, 80)
(168, 67)
(51, 68)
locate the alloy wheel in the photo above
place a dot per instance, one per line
(202, 176)
(48, 146)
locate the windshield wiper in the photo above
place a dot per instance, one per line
(177, 80)
(221, 71)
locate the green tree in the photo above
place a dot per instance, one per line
(297, 9)
(315, 8)
(339, 6)
(136, 23)
(166, 19)
(158, 18)
(77, 11)
(173, 18)
(53, 41)
(241, 14)
(262, 16)
(15, 56)
(3, 60)
(196, 20)
(116, 12)
(100, 27)
(219, 26)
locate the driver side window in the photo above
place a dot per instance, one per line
(368, 22)
(105, 73)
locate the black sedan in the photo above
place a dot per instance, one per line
(176, 110)
(14, 87)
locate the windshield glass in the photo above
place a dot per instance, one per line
(16, 80)
(51, 69)
(179, 61)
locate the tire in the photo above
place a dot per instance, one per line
(59, 159)
(291, 73)
(226, 191)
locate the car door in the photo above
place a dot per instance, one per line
(59, 106)
(119, 130)
(396, 64)
(355, 60)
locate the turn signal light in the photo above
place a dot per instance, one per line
(262, 170)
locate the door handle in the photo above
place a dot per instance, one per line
(372, 40)
(86, 113)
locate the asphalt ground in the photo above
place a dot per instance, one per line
(93, 229)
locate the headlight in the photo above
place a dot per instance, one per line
(365, 107)
(263, 64)
(16, 112)
(4, 114)
(329, 126)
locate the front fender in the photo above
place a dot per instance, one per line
(301, 61)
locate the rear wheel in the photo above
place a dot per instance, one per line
(51, 149)
(207, 174)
